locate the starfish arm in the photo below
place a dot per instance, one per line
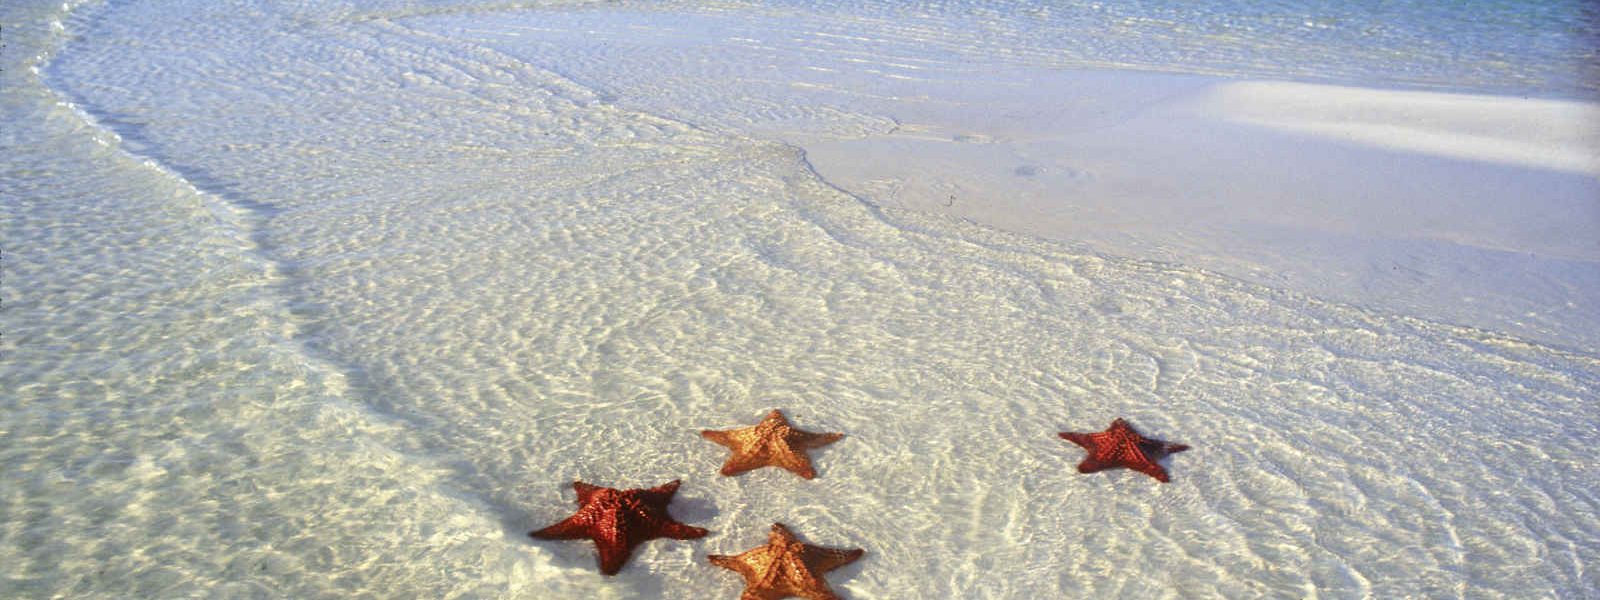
(822, 560)
(731, 563)
(727, 562)
(574, 527)
(1082, 439)
(803, 580)
(743, 564)
(798, 463)
(1090, 465)
(662, 493)
(780, 535)
(724, 438)
(585, 491)
(740, 463)
(1153, 470)
(615, 544)
(679, 531)
(613, 554)
(1157, 448)
(816, 440)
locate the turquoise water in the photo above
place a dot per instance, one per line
(312, 300)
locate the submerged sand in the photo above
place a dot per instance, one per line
(307, 301)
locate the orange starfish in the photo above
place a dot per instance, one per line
(786, 567)
(1121, 446)
(772, 442)
(619, 520)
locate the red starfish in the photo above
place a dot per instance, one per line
(618, 520)
(1121, 446)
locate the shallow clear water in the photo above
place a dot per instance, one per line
(1502, 46)
(1441, 205)
(313, 301)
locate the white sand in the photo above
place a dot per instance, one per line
(1550, 135)
(1482, 211)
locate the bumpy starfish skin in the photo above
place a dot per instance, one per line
(772, 442)
(619, 520)
(786, 567)
(1121, 446)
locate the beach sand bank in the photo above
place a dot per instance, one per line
(1471, 209)
(1476, 210)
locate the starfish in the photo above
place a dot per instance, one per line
(619, 520)
(786, 567)
(772, 442)
(1121, 446)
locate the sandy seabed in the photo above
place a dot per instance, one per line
(314, 302)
